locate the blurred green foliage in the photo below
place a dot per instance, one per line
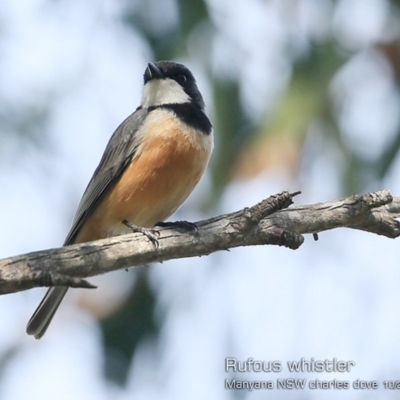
(127, 327)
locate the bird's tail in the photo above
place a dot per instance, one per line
(43, 315)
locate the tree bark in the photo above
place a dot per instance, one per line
(268, 222)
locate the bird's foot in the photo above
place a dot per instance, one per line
(150, 233)
(186, 225)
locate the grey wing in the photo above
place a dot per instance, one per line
(119, 151)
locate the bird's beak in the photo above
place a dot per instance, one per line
(154, 71)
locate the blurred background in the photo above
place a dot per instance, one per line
(303, 95)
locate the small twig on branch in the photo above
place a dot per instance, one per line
(268, 222)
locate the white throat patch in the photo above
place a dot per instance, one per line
(163, 91)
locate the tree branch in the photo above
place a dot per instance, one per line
(268, 222)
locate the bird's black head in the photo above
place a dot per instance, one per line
(167, 82)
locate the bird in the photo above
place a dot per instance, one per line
(151, 164)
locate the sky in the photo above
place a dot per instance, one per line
(335, 298)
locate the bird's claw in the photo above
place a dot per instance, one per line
(151, 234)
(186, 225)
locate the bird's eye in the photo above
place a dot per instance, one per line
(182, 78)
